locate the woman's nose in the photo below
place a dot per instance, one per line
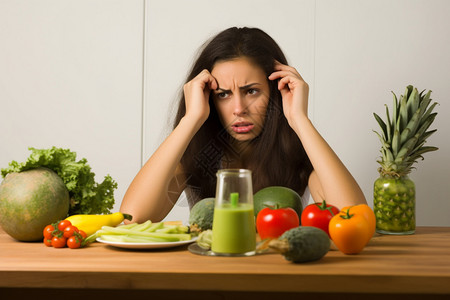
(239, 106)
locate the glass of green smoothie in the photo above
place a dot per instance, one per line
(234, 232)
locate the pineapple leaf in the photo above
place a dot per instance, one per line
(409, 90)
(382, 124)
(394, 109)
(405, 135)
(418, 154)
(426, 135)
(396, 142)
(403, 118)
(425, 101)
(389, 127)
(383, 142)
(389, 156)
(411, 127)
(413, 102)
(427, 114)
(426, 123)
(406, 148)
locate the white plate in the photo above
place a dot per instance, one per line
(146, 245)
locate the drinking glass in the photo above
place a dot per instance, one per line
(234, 232)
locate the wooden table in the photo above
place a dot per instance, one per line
(390, 266)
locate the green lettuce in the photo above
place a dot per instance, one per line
(86, 196)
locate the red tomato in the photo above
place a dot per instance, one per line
(74, 242)
(63, 224)
(48, 232)
(319, 215)
(58, 241)
(272, 223)
(70, 231)
(83, 234)
(47, 242)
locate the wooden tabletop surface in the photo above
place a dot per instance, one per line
(418, 263)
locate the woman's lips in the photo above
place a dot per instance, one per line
(242, 127)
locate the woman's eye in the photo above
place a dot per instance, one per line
(252, 91)
(222, 95)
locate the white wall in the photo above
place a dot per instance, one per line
(366, 49)
(71, 77)
(91, 75)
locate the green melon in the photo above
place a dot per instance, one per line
(201, 215)
(29, 201)
(277, 195)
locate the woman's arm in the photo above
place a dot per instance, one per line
(330, 180)
(157, 186)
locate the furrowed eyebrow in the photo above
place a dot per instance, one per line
(241, 87)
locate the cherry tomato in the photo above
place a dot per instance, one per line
(48, 232)
(349, 232)
(47, 242)
(74, 242)
(319, 215)
(273, 222)
(63, 224)
(83, 234)
(367, 212)
(59, 241)
(70, 231)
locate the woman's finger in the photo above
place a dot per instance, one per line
(212, 83)
(284, 83)
(285, 68)
(205, 79)
(280, 74)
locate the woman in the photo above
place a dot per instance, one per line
(242, 107)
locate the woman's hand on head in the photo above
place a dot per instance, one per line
(196, 93)
(294, 91)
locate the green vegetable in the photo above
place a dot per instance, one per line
(302, 244)
(201, 215)
(144, 233)
(86, 196)
(205, 239)
(277, 196)
(31, 200)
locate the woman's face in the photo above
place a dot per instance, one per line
(241, 98)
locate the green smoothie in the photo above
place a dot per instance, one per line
(234, 229)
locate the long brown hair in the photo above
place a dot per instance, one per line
(278, 157)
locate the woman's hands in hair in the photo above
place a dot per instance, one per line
(196, 93)
(294, 91)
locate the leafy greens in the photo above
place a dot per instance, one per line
(86, 196)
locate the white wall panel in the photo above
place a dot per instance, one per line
(366, 49)
(71, 77)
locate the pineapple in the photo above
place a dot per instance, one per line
(403, 137)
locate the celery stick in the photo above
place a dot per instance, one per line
(144, 226)
(169, 237)
(129, 226)
(168, 229)
(130, 239)
(112, 238)
(155, 227)
(138, 239)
